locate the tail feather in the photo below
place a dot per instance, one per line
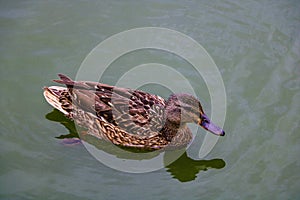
(71, 83)
(52, 95)
(65, 80)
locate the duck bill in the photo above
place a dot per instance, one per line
(211, 127)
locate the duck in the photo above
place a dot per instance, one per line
(127, 117)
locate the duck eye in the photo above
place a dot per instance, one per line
(187, 108)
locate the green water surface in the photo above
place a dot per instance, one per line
(256, 46)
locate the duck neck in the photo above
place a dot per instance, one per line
(170, 130)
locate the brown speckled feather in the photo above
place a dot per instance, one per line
(134, 111)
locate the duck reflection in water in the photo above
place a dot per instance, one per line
(183, 169)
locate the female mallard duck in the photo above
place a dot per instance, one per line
(130, 118)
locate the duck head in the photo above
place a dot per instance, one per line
(184, 108)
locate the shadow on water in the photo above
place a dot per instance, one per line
(183, 169)
(57, 116)
(186, 169)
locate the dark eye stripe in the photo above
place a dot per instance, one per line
(189, 109)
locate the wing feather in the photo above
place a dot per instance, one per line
(134, 111)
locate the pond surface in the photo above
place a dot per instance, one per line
(256, 46)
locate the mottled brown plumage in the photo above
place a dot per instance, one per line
(126, 117)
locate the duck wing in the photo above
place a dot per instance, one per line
(134, 111)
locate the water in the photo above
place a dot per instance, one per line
(254, 44)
